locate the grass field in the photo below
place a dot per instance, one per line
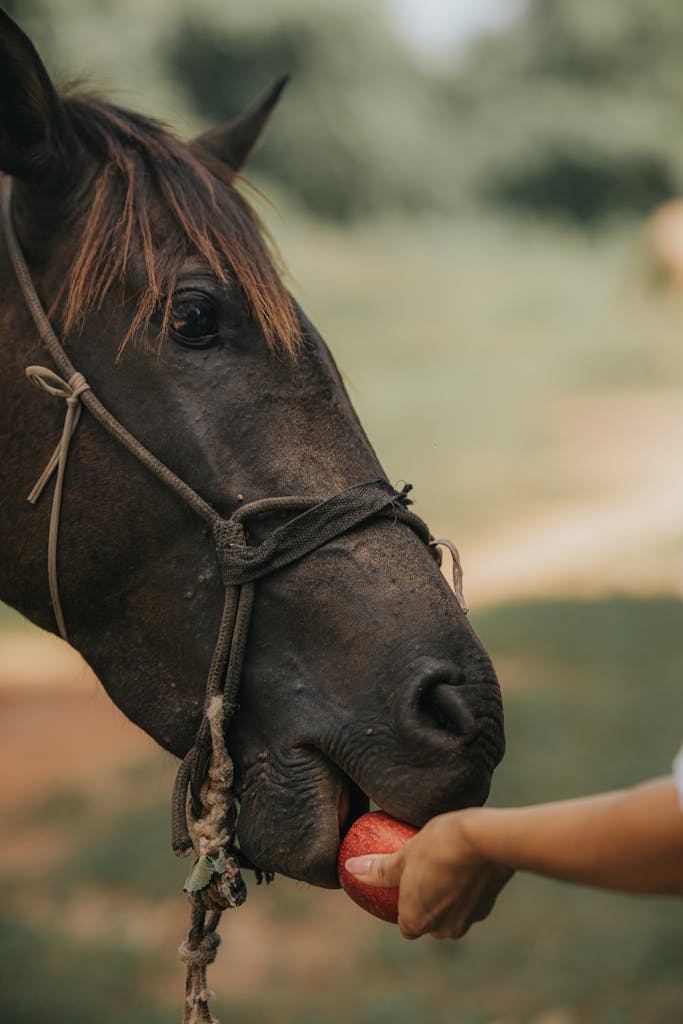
(524, 380)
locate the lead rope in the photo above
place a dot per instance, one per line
(215, 883)
(200, 948)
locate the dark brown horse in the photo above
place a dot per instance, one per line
(362, 677)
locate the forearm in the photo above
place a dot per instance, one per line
(631, 840)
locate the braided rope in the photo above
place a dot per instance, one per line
(71, 391)
(197, 953)
(220, 885)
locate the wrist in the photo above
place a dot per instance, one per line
(482, 829)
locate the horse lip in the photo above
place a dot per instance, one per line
(348, 803)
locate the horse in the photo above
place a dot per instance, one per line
(357, 674)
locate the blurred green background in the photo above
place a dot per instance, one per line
(475, 223)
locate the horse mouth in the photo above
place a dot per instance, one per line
(298, 803)
(353, 803)
(296, 830)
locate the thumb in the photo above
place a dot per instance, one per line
(380, 869)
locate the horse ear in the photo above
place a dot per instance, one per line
(233, 142)
(34, 130)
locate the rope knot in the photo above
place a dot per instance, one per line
(78, 385)
(402, 497)
(203, 954)
(228, 535)
(224, 892)
(51, 382)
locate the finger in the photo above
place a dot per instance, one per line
(407, 932)
(380, 869)
(413, 921)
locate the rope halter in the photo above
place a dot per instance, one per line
(205, 821)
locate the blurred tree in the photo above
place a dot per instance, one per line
(359, 117)
(574, 111)
(582, 104)
(585, 184)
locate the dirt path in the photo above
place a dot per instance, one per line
(624, 455)
(627, 541)
(54, 738)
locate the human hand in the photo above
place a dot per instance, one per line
(444, 882)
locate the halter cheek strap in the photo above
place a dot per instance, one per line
(206, 822)
(71, 391)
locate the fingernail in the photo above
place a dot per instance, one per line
(359, 865)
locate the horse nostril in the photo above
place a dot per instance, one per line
(446, 708)
(438, 704)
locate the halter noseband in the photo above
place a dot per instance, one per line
(206, 822)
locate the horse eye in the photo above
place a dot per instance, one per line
(193, 321)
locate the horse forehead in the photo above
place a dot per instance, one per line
(193, 269)
(193, 266)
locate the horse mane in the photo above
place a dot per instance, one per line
(141, 164)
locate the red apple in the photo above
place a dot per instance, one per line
(373, 833)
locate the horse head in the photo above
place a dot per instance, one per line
(361, 678)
